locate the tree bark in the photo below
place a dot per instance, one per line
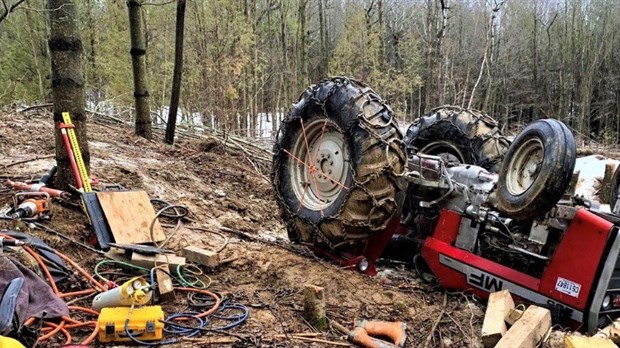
(314, 307)
(178, 71)
(138, 60)
(67, 84)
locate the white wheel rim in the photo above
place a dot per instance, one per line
(319, 165)
(525, 166)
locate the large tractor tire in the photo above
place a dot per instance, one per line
(537, 170)
(458, 135)
(337, 163)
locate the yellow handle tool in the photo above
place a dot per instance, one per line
(77, 153)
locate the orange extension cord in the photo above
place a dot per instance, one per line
(67, 323)
(55, 328)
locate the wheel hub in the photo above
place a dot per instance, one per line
(319, 179)
(525, 166)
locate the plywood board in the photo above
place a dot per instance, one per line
(129, 215)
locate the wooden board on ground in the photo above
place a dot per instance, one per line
(129, 215)
(527, 331)
(498, 308)
(588, 342)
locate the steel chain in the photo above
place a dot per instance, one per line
(318, 236)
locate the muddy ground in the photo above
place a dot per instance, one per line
(221, 188)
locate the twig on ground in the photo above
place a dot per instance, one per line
(27, 160)
(302, 334)
(436, 323)
(465, 336)
(33, 107)
(317, 340)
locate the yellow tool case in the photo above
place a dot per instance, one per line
(145, 324)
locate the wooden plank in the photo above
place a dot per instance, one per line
(165, 289)
(129, 215)
(149, 261)
(499, 307)
(201, 256)
(527, 331)
(588, 342)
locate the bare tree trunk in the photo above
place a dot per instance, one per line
(178, 70)
(302, 40)
(67, 83)
(138, 60)
(35, 56)
(324, 45)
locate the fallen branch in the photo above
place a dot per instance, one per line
(40, 106)
(317, 340)
(26, 161)
(303, 334)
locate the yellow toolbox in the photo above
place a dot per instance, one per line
(145, 323)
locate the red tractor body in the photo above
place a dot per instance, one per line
(582, 271)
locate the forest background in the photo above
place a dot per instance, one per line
(517, 60)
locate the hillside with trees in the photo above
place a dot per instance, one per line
(516, 60)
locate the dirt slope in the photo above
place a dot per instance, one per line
(221, 188)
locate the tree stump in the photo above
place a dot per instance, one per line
(606, 183)
(314, 307)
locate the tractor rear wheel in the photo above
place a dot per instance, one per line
(337, 163)
(458, 135)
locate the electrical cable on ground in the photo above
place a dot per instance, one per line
(189, 278)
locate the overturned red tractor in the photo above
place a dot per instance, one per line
(475, 210)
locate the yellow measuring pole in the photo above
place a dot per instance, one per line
(77, 153)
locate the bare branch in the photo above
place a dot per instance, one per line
(158, 3)
(4, 12)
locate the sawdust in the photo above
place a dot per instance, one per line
(221, 188)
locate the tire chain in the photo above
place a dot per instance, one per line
(477, 118)
(319, 236)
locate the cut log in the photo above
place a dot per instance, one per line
(588, 342)
(314, 307)
(527, 331)
(499, 307)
